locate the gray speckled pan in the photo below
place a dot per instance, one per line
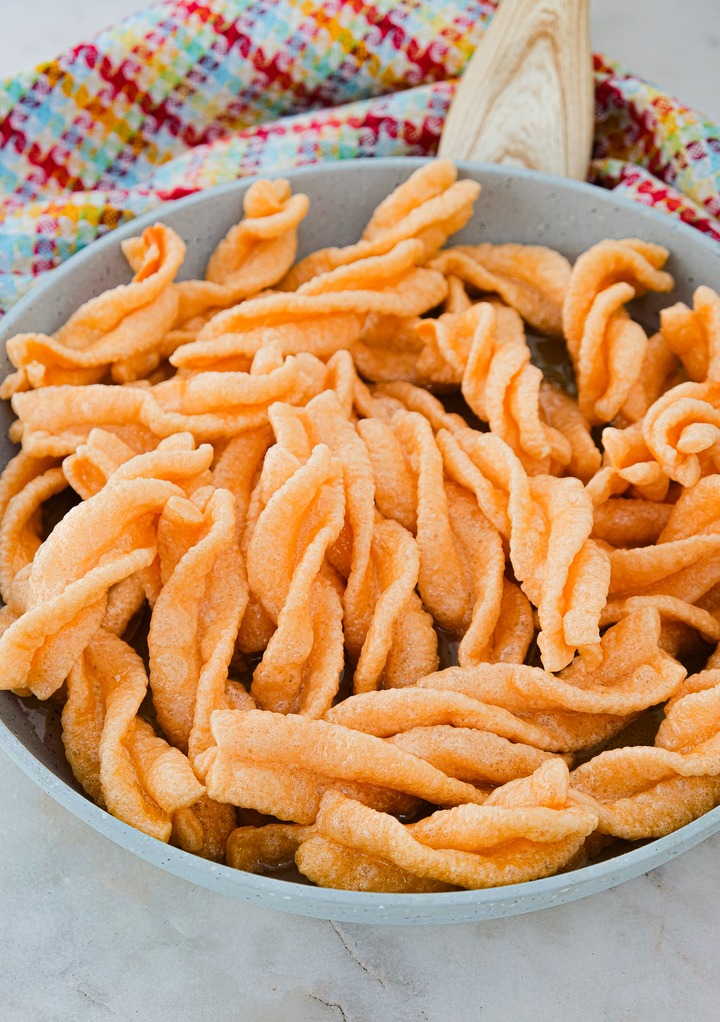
(514, 206)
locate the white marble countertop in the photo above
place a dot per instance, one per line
(88, 932)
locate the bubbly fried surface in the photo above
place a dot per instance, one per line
(353, 587)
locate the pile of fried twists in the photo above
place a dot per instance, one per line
(278, 522)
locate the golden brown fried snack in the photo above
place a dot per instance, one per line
(685, 568)
(300, 668)
(394, 563)
(324, 421)
(671, 608)
(562, 413)
(237, 469)
(694, 334)
(196, 617)
(115, 754)
(120, 331)
(659, 372)
(503, 388)
(629, 523)
(324, 315)
(471, 846)
(329, 864)
(395, 486)
(21, 525)
(429, 206)
(531, 279)
(99, 543)
(646, 792)
(479, 757)
(592, 698)
(548, 523)
(608, 348)
(263, 849)
(395, 711)
(254, 254)
(280, 764)
(342, 498)
(204, 828)
(515, 628)
(682, 430)
(209, 405)
(461, 590)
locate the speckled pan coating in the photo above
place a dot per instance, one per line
(515, 205)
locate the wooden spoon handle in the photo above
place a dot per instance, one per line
(526, 97)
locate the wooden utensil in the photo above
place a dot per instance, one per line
(526, 97)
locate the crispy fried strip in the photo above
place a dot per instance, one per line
(442, 581)
(300, 521)
(397, 710)
(504, 842)
(607, 348)
(254, 254)
(395, 488)
(479, 757)
(299, 743)
(642, 792)
(204, 828)
(107, 744)
(429, 206)
(503, 388)
(395, 563)
(530, 278)
(329, 864)
(40, 647)
(263, 849)
(111, 330)
(209, 405)
(694, 334)
(21, 525)
(323, 421)
(195, 621)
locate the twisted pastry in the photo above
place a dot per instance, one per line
(210, 405)
(525, 830)
(396, 711)
(694, 334)
(643, 792)
(680, 569)
(106, 539)
(607, 348)
(678, 439)
(113, 752)
(531, 279)
(384, 624)
(323, 421)
(429, 206)
(483, 350)
(592, 698)
(21, 525)
(462, 591)
(281, 763)
(323, 316)
(401, 644)
(196, 616)
(548, 523)
(66, 596)
(120, 332)
(254, 254)
(479, 757)
(300, 668)
(503, 388)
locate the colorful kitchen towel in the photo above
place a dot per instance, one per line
(185, 95)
